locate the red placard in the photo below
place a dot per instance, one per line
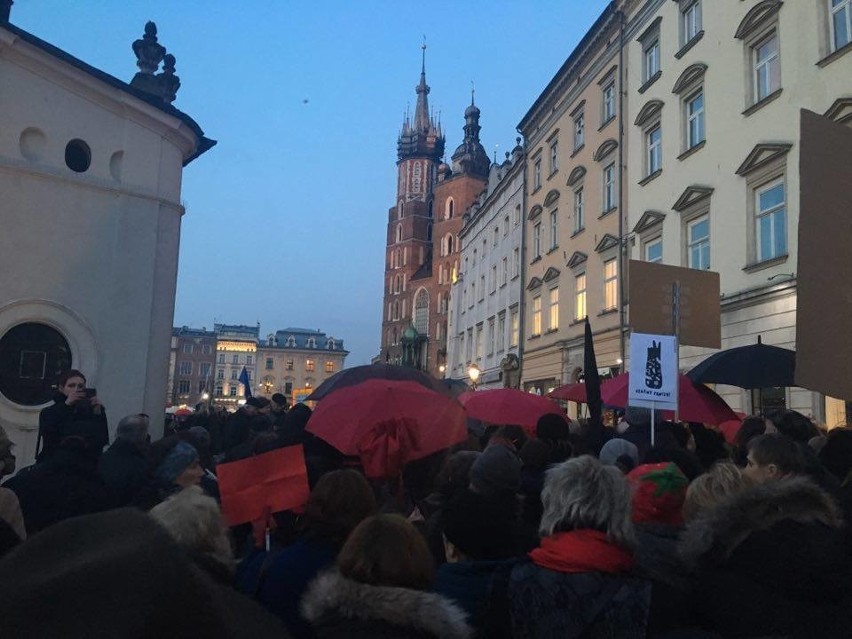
(268, 483)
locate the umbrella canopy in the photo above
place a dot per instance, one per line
(388, 423)
(508, 406)
(754, 366)
(570, 393)
(696, 402)
(358, 374)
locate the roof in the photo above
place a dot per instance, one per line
(204, 143)
(237, 331)
(301, 340)
(186, 331)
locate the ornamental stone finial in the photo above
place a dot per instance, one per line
(149, 53)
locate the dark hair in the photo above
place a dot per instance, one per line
(779, 450)
(279, 399)
(552, 427)
(160, 449)
(512, 434)
(339, 502)
(455, 474)
(688, 463)
(836, 455)
(680, 432)
(63, 379)
(709, 444)
(796, 426)
(753, 426)
(386, 550)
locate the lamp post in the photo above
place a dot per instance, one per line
(473, 373)
(442, 369)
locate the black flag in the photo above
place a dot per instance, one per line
(592, 379)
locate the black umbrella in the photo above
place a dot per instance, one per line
(358, 374)
(754, 366)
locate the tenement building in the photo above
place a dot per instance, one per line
(712, 122)
(236, 348)
(192, 365)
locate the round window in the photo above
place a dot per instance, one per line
(32, 357)
(78, 156)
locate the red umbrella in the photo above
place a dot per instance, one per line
(696, 402)
(508, 406)
(358, 374)
(570, 393)
(388, 423)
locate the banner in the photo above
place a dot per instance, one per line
(653, 371)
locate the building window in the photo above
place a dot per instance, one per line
(491, 336)
(472, 298)
(289, 365)
(288, 388)
(579, 131)
(553, 314)
(609, 187)
(496, 239)
(515, 336)
(493, 282)
(841, 22)
(690, 21)
(771, 220)
(234, 374)
(187, 348)
(185, 368)
(309, 365)
(580, 297)
(329, 367)
(220, 374)
(536, 316)
(695, 119)
(207, 349)
(650, 58)
(516, 262)
(202, 386)
(219, 391)
(221, 358)
(232, 391)
(249, 360)
(554, 229)
(183, 387)
(537, 240)
(537, 174)
(32, 356)
(504, 271)
(481, 287)
(501, 332)
(479, 342)
(449, 208)
(505, 226)
(421, 312)
(654, 250)
(235, 359)
(469, 348)
(579, 211)
(698, 242)
(554, 157)
(610, 285)
(608, 102)
(269, 364)
(654, 150)
(312, 342)
(517, 215)
(204, 369)
(767, 67)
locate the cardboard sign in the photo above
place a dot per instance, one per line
(254, 487)
(653, 371)
(651, 308)
(824, 270)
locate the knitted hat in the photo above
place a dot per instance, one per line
(552, 427)
(178, 460)
(279, 399)
(659, 491)
(496, 472)
(617, 447)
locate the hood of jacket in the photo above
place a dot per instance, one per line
(716, 534)
(332, 595)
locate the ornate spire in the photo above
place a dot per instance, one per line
(421, 135)
(470, 156)
(421, 111)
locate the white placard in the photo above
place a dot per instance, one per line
(653, 371)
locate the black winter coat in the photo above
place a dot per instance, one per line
(340, 608)
(124, 471)
(60, 420)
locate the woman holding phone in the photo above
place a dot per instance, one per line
(76, 411)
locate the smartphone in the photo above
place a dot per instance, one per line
(90, 392)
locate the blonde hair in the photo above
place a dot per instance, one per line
(707, 490)
(194, 520)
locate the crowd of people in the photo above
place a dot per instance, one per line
(574, 530)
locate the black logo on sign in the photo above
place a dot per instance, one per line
(654, 367)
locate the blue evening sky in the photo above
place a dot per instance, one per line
(286, 216)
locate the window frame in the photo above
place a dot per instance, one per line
(514, 326)
(536, 240)
(536, 174)
(579, 131)
(653, 150)
(554, 156)
(651, 46)
(691, 97)
(553, 309)
(535, 316)
(609, 108)
(579, 210)
(694, 8)
(782, 208)
(657, 240)
(609, 196)
(581, 310)
(690, 244)
(846, 7)
(553, 244)
(610, 285)
(756, 95)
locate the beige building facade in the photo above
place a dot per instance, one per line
(713, 98)
(573, 213)
(236, 348)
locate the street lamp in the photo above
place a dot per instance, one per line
(473, 373)
(205, 396)
(442, 369)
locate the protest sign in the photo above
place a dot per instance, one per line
(653, 371)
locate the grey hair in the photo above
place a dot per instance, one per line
(133, 428)
(194, 520)
(707, 490)
(583, 493)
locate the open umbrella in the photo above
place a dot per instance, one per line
(358, 374)
(388, 423)
(754, 366)
(696, 402)
(570, 393)
(508, 406)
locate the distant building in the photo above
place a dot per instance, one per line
(90, 176)
(194, 365)
(294, 361)
(236, 348)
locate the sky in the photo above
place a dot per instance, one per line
(286, 216)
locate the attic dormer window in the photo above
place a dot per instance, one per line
(330, 345)
(312, 343)
(291, 341)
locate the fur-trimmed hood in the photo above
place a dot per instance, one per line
(331, 595)
(717, 533)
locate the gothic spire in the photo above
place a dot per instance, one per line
(421, 135)
(421, 111)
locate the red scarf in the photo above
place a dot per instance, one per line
(582, 551)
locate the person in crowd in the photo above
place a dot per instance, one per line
(124, 465)
(261, 439)
(772, 457)
(620, 453)
(237, 430)
(752, 427)
(175, 465)
(771, 560)
(380, 588)
(686, 460)
(320, 457)
(555, 431)
(338, 503)
(64, 485)
(512, 435)
(578, 582)
(200, 440)
(707, 490)
(73, 412)
(794, 425)
(12, 528)
(639, 431)
(279, 410)
(194, 520)
(836, 454)
(709, 445)
(659, 491)
(119, 574)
